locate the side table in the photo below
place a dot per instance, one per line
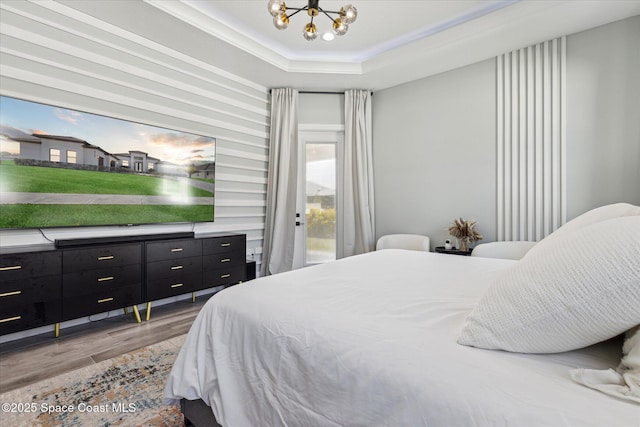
(453, 251)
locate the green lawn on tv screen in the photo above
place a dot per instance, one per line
(34, 179)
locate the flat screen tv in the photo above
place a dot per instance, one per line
(66, 168)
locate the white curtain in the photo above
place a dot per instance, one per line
(278, 247)
(358, 210)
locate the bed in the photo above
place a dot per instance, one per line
(371, 340)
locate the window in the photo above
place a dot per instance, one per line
(318, 216)
(54, 155)
(320, 202)
(72, 157)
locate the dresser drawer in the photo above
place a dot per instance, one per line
(163, 288)
(224, 276)
(107, 278)
(101, 257)
(216, 245)
(18, 317)
(26, 265)
(99, 302)
(34, 290)
(173, 249)
(174, 268)
(223, 260)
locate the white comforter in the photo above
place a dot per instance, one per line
(371, 341)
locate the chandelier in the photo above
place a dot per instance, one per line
(343, 18)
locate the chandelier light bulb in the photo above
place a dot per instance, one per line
(310, 32)
(340, 27)
(275, 6)
(281, 21)
(348, 14)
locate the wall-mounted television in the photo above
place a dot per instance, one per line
(66, 168)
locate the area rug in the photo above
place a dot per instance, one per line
(124, 391)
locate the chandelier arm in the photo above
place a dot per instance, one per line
(296, 10)
(327, 12)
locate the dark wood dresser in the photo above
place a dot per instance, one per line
(47, 285)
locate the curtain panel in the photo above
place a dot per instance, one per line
(358, 209)
(279, 235)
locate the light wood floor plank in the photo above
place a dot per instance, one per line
(33, 359)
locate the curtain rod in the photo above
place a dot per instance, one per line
(313, 91)
(320, 92)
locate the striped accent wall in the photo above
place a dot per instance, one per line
(54, 54)
(531, 141)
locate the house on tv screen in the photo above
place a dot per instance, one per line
(75, 153)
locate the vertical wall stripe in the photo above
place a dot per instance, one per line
(530, 146)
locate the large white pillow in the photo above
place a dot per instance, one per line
(583, 288)
(593, 216)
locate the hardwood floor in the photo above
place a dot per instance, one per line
(32, 359)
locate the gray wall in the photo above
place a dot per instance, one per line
(603, 116)
(434, 156)
(322, 109)
(434, 139)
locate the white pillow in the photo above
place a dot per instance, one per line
(583, 288)
(593, 216)
(624, 382)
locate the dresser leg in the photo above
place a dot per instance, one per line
(126, 311)
(148, 311)
(56, 330)
(193, 297)
(137, 313)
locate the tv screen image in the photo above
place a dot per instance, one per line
(62, 168)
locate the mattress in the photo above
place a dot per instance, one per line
(370, 340)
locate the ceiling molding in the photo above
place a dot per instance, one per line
(318, 62)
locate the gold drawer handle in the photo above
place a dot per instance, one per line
(100, 301)
(177, 250)
(224, 276)
(177, 285)
(13, 267)
(105, 258)
(9, 294)
(10, 319)
(177, 267)
(224, 245)
(225, 260)
(105, 279)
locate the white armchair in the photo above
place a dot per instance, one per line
(414, 242)
(507, 250)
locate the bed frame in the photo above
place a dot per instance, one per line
(197, 414)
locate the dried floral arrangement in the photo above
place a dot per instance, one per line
(465, 232)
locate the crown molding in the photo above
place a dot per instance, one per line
(350, 63)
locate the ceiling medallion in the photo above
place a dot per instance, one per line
(344, 17)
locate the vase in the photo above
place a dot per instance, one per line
(464, 244)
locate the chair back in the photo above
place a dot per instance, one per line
(414, 242)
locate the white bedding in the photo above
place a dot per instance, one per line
(371, 341)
